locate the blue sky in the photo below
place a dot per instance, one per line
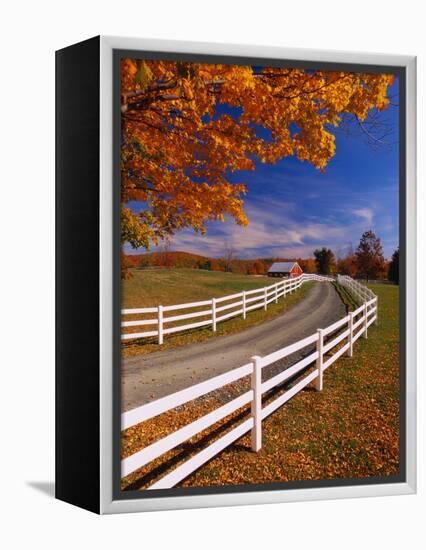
(293, 208)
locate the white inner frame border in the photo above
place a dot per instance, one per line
(107, 504)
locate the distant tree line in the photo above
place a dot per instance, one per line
(366, 262)
(229, 262)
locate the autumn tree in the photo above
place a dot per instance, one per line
(347, 264)
(393, 273)
(145, 261)
(250, 269)
(214, 264)
(259, 267)
(369, 256)
(125, 264)
(228, 256)
(308, 265)
(185, 127)
(325, 261)
(164, 258)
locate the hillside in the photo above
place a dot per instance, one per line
(165, 259)
(181, 259)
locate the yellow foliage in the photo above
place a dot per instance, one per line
(177, 150)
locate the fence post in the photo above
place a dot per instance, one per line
(256, 404)
(214, 314)
(265, 292)
(351, 334)
(160, 325)
(244, 305)
(276, 293)
(376, 322)
(320, 344)
(365, 320)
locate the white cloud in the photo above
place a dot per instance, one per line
(279, 228)
(272, 231)
(365, 214)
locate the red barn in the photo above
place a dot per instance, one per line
(285, 269)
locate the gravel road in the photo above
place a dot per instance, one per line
(154, 375)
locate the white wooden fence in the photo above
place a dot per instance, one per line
(359, 291)
(211, 312)
(330, 343)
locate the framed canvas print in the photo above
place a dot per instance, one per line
(235, 274)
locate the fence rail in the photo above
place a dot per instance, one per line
(214, 310)
(359, 291)
(334, 340)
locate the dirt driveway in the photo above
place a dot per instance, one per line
(154, 375)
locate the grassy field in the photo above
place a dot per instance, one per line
(152, 287)
(349, 430)
(173, 286)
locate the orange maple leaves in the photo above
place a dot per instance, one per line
(179, 142)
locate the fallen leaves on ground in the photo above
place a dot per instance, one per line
(349, 430)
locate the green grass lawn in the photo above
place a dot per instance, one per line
(153, 287)
(149, 288)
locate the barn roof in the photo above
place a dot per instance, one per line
(282, 267)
